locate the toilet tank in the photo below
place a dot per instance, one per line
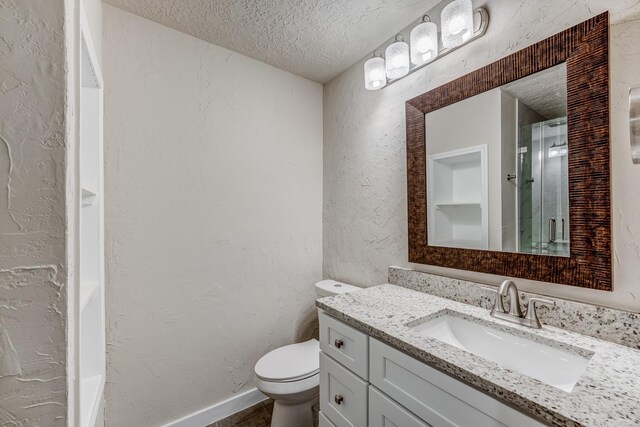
(328, 288)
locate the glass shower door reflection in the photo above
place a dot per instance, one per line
(543, 188)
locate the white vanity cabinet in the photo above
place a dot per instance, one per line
(394, 389)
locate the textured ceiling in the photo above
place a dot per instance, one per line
(315, 39)
(545, 92)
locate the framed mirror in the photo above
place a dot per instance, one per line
(508, 167)
(500, 181)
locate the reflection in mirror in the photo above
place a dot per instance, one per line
(497, 168)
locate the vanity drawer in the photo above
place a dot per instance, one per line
(435, 397)
(324, 421)
(345, 344)
(343, 396)
(384, 412)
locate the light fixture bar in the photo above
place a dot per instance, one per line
(480, 21)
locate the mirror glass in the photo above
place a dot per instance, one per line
(497, 168)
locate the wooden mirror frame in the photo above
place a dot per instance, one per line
(585, 49)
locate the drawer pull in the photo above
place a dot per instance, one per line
(338, 343)
(338, 398)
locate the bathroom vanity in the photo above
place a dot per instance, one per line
(393, 384)
(395, 356)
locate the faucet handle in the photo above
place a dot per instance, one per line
(532, 316)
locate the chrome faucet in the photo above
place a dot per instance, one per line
(515, 312)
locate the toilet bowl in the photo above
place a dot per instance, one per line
(290, 375)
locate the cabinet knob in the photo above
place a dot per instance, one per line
(338, 398)
(338, 343)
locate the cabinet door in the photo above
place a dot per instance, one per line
(436, 397)
(384, 412)
(343, 396)
(345, 344)
(324, 421)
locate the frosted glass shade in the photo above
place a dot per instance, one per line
(457, 23)
(424, 43)
(375, 74)
(397, 55)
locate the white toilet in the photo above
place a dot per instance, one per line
(289, 375)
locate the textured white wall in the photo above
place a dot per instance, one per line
(213, 173)
(33, 266)
(365, 213)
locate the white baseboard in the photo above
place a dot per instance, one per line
(220, 410)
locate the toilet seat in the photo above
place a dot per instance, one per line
(290, 363)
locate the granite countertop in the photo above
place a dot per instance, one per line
(607, 394)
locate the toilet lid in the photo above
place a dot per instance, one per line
(290, 363)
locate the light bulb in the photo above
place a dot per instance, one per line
(398, 61)
(456, 26)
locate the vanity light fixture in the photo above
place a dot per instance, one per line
(375, 75)
(397, 58)
(424, 42)
(463, 25)
(634, 123)
(457, 23)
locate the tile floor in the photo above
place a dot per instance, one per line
(258, 415)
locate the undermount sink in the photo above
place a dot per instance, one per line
(553, 366)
